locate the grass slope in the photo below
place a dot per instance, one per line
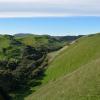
(79, 85)
(4, 41)
(82, 84)
(78, 54)
(33, 40)
(36, 40)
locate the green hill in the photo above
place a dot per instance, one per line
(4, 41)
(33, 40)
(82, 84)
(74, 74)
(50, 43)
(9, 45)
(83, 51)
(19, 63)
(44, 41)
(22, 60)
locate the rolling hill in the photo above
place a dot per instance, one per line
(22, 60)
(74, 74)
(51, 43)
(8, 45)
(44, 41)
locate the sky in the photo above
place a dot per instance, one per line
(51, 25)
(54, 17)
(31, 8)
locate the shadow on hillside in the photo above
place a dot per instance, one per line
(21, 94)
(4, 95)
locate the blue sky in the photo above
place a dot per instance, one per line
(51, 25)
(54, 17)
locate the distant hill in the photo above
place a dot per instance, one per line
(60, 38)
(67, 38)
(74, 74)
(22, 34)
(51, 43)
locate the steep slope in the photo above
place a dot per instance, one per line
(74, 74)
(83, 51)
(82, 84)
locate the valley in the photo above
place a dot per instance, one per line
(74, 73)
(42, 67)
(23, 61)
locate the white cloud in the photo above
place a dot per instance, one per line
(33, 8)
(31, 14)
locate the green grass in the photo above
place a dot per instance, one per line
(52, 55)
(78, 54)
(33, 40)
(27, 40)
(4, 42)
(74, 74)
(82, 84)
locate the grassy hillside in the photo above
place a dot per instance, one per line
(82, 84)
(4, 41)
(74, 74)
(33, 40)
(78, 54)
(8, 45)
(23, 59)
